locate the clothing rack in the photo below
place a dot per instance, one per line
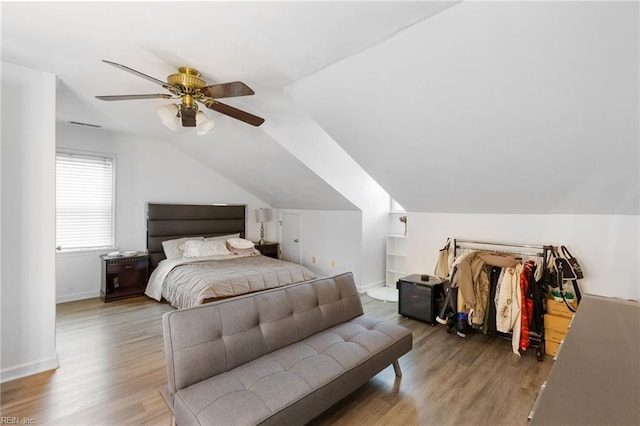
(543, 251)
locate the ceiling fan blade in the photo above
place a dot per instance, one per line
(188, 117)
(139, 74)
(234, 112)
(227, 90)
(133, 97)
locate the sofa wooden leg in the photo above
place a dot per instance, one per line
(173, 421)
(396, 368)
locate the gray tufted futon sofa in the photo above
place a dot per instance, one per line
(280, 356)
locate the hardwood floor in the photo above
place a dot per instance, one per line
(112, 365)
(447, 380)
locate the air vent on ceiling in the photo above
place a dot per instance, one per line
(77, 123)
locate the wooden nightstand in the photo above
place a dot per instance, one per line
(268, 249)
(123, 276)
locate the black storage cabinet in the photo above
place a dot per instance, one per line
(418, 298)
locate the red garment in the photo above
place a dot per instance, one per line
(526, 305)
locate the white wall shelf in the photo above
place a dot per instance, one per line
(396, 258)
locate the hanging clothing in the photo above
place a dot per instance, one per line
(537, 292)
(539, 269)
(526, 279)
(489, 325)
(507, 300)
(482, 284)
(481, 288)
(502, 260)
(467, 270)
(516, 311)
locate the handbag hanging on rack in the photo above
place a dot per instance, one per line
(573, 263)
(567, 271)
(560, 278)
(442, 269)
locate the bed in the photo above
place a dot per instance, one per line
(197, 269)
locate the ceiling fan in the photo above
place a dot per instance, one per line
(187, 85)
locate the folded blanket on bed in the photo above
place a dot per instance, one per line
(189, 282)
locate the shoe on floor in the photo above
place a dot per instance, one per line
(461, 324)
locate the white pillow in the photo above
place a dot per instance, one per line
(196, 248)
(172, 249)
(240, 243)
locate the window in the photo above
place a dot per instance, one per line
(395, 207)
(84, 201)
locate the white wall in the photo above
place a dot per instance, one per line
(334, 239)
(490, 98)
(607, 246)
(312, 145)
(146, 171)
(27, 285)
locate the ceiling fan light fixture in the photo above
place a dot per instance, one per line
(187, 85)
(203, 123)
(169, 115)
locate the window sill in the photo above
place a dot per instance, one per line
(85, 252)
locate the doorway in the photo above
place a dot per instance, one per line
(290, 246)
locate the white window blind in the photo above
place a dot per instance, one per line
(84, 202)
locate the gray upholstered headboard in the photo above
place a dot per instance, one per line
(169, 221)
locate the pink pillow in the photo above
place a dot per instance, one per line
(251, 251)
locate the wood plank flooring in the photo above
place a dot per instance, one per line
(112, 365)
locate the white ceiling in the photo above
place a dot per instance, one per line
(264, 44)
(480, 107)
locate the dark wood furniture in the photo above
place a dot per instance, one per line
(124, 276)
(417, 297)
(171, 221)
(269, 249)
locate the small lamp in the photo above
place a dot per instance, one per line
(169, 115)
(262, 216)
(203, 124)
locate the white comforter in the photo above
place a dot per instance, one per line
(188, 282)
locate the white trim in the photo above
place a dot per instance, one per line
(30, 369)
(77, 296)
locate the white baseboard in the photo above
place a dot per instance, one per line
(365, 287)
(77, 296)
(25, 370)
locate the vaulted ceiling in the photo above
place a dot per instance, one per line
(505, 107)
